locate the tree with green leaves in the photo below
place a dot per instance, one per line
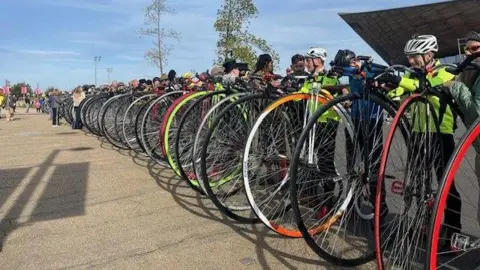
(235, 40)
(154, 15)
(16, 89)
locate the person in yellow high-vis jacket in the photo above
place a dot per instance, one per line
(420, 53)
(327, 126)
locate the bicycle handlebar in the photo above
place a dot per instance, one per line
(463, 65)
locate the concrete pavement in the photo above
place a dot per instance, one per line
(69, 200)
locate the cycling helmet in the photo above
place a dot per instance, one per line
(316, 52)
(187, 75)
(421, 45)
(343, 58)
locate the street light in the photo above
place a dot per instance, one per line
(96, 59)
(109, 70)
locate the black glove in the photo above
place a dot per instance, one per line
(390, 78)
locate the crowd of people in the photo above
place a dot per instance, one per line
(10, 102)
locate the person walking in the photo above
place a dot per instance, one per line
(13, 103)
(27, 103)
(7, 105)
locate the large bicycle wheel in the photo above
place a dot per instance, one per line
(128, 123)
(200, 135)
(109, 119)
(93, 114)
(458, 247)
(171, 123)
(221, 156)
(68, 111)
(411, 164)
(332, 182)
(138, 125)
(152, 126)
(105, 105)
(268, 153)
(84, 109)
(185, 135)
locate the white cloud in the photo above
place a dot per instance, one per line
(131, 57)
(46, 53)
(95, 42)
(86, 5)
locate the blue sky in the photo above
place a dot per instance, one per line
(53, 42)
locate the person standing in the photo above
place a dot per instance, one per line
(78, 97)
(38, 105)
(55, 103)
(27, 103)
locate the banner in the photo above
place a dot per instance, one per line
(24, 90)
(6, 90)
(37, 91)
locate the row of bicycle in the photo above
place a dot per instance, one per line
(329, 169)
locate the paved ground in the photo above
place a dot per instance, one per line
(68, 200)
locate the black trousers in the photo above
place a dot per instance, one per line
(78, 121)
(54, 116)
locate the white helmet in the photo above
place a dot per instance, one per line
(421, 45)
(316, 52)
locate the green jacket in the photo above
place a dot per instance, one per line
(468, 100)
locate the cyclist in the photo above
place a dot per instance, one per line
(232, 71)
(297, 68)
(367, 121)
(467, 92)
(263, 73)
(327, 127)
(420, 51)
(298, 65)
(467, 95)
(315, 60)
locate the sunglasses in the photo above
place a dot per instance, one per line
(472, 49)
(413, 55)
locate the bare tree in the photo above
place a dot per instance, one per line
(154, 15)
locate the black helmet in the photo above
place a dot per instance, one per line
(343, 58)
(472, 35)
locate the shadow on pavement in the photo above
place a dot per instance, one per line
(45, 192)
(265, 241)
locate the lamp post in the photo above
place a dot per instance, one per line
(109, 70)
(96, 59)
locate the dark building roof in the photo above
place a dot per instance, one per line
(387, 31)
